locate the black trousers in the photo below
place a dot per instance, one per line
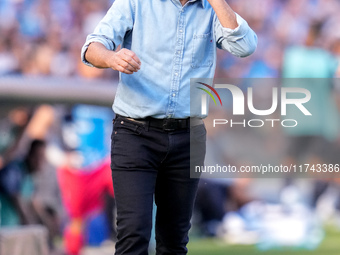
(148, 162)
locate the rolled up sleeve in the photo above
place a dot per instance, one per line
(241, 41)
(108, 43)
(112, 28)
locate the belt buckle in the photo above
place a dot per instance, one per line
(169, 125)
(137, 122)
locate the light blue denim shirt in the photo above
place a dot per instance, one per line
(174, 43)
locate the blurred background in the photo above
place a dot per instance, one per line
(56, 193)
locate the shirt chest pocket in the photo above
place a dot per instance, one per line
(202, 50)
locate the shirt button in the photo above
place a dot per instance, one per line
(176, 74)
(173, 94)
(181, 31)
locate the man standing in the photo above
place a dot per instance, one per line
(164, 43)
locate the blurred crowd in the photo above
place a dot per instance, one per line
(280, 24)
(55, 172)
(54, 166)
(44, 37)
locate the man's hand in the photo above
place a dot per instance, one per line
(125, 61)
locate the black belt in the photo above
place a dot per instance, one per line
(165, 124)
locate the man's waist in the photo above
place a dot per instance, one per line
(168, 124)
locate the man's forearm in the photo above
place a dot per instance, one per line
(98, 55)
(124, 60)
(224, 13)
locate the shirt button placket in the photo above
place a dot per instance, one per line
(177, 64)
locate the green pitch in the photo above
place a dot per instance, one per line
(329, 246)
